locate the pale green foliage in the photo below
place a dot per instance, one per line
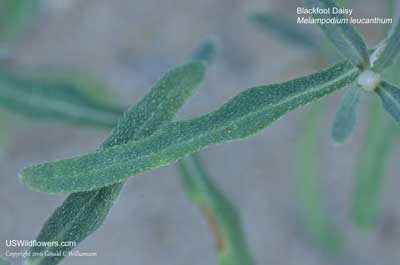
(205, 52)
(221, 215)
(391, 50)
(308, 186)
(83, 213)
(16, 16)
(54, 100)
(4, 262)
(243, 116)
(4, 132)
(283, 28)
(346, 39)
(371, 167)
(390, 96)
(346, 115)
(378, 144)
(145, 139)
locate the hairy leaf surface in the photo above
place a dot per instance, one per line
(82, 213)
(344, 36)
(346, 115)
(45, 99)
(243, 116)
(221, 215)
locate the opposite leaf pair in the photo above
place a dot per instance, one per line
(351, 45)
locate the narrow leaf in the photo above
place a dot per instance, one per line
(4, 130)
(243, 116)
(390, 96)
(308, 187)
(45, 99)
(82, 213)
(284, 29)
(205, 52)
(221, 215)
(346, 115)
(391, 50)
(4, 262)
(16, 16)
(371, 167)
(344, 36)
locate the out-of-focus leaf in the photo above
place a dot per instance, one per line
(391, 74)
(205, 52)
(308, 187)
(87, 83)
(16, 16)
(4, 262)
(244, 115)
(390, 96)
(346, 115)
(283, 28)
(83, 213)
(344, 36)
(221, 215)
(3, 130)
(391, 50)
(44, 99)
(371, 167)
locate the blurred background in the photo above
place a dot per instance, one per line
(127, 45)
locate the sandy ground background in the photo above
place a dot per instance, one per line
(130, 44)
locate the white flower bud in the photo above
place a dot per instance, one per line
(369, 80)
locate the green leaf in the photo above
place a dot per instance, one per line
(391, 50)
(243, 116)
(390, 96)
(283, 28)
(205, 52)
(83, 213)
(371, 167)
(4, 262)
(86, 82)
(4, 130)
(308, 187)
(346, 115)
(344, 36)
(221, 215)
(391, 75)
(44, 99)
(16, 16)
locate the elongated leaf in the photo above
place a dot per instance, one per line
(205, 52)
(281, 27)
(371, 167)
(83, 213)
(54, 101)
(4, 262)
(391, 50)
(4, 133)
(86, 82)
(390, 96)
(308, 187)
(221, 215)
(346, 115)
(15, 16)
(344, 36)
(243, 116)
